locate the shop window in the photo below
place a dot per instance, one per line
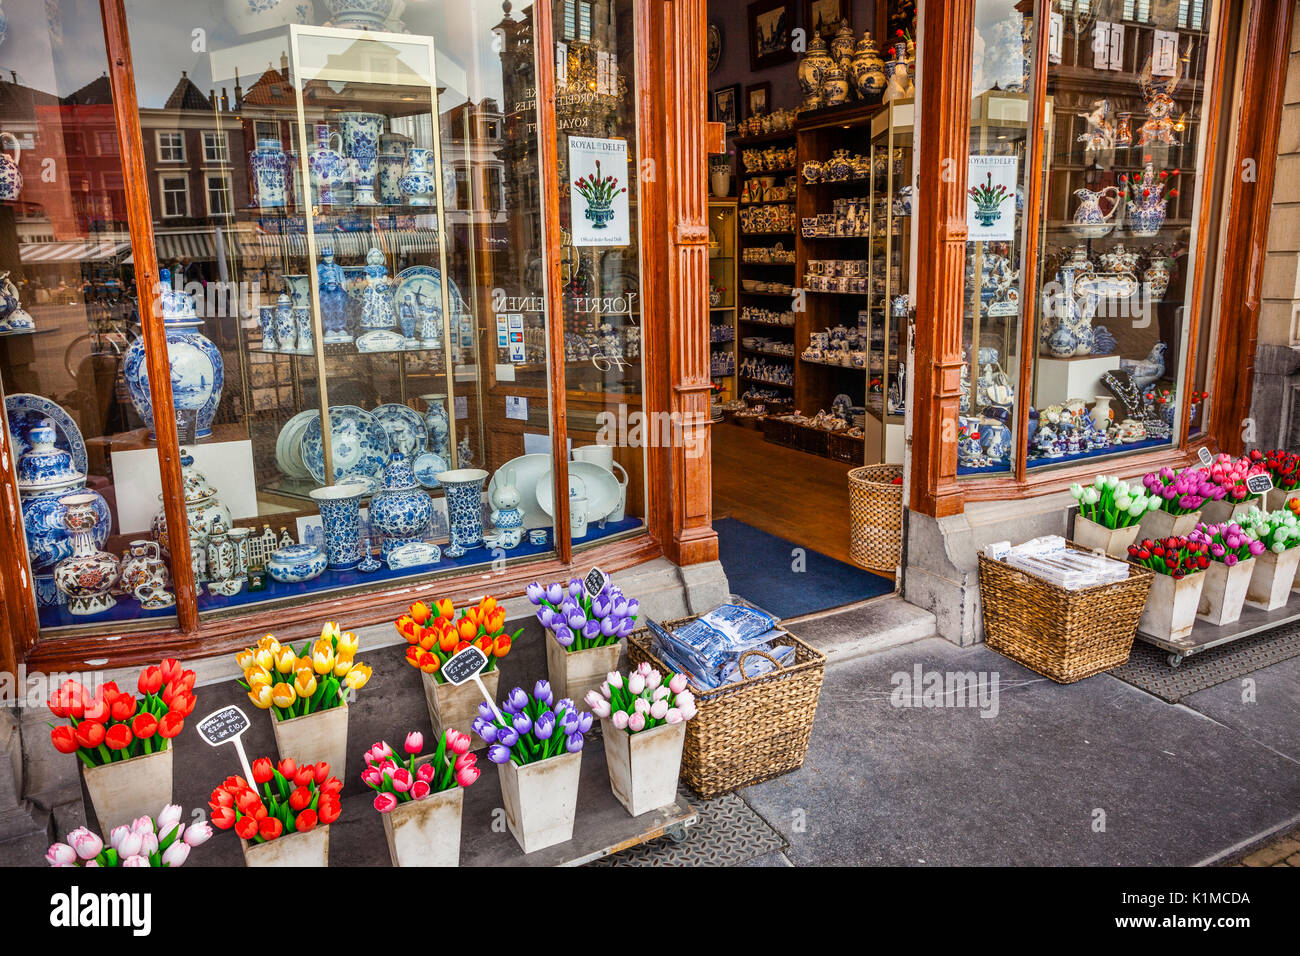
(361, 431)
(67, 330)
(171, 147)
(577, 20)
(596, 125)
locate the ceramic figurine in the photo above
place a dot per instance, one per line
(377, 309)
(1146, 372)
(417, 184)
(1099, 137)
(507, 517)
(333, 298)
(1159, 130)
(197, 373)
(268, 164)
(361, 133)
(464, 454)
(325, 165)
(407, 319)
(11, 177)
(400, 510)
(464, 489)
(87, 575)
(13, 317)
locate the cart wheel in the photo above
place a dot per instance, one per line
(676, 833)
(1175, 660)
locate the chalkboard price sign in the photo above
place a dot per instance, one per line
(595, 582)
(1204, 454)
(226, 724)
(1259, 484)
(464, 665)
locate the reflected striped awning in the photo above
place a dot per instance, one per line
(185, 245)
(77, 250)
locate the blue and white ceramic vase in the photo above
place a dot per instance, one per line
(400, 510)
(302, 319)
(417, 184)
(377, 308)
(286, 331)
(45, 474)
(11, 177)
(197, 373)
(266, 315)
(464, 488)
(268, 164)
(439, 426)
(333, 298)
(87, 575)
(325, 165)
(360, 14)
(361, 133)
(392, 163)
(340, 511)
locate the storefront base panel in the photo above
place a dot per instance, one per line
(941, 572)
(50, 780)
(1275, 401)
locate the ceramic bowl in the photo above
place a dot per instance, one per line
(297, 563)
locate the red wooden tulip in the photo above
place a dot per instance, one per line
(170, 725)
(65, 742)
(144, 725)
(118, 737)
(89, 733)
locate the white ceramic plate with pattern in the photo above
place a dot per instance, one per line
(288, 445)
(528, 470)
(406, 430)
(598, 483)
(25, 410)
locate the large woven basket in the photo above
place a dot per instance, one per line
(876, 517)
(1061, 634)
(751, 730)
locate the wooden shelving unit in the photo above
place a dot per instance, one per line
(723, 252)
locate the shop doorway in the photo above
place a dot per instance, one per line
(810, 265)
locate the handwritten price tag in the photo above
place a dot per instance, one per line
(227, 726)
(466, 666)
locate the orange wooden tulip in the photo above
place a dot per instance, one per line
(420, 612)
(445, 609)
(467, 628)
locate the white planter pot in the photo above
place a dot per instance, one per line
(138, 787)
(316, 737)
(1170, 611)
(1161, 524)
(452, 706)
(1217, 512)
(1273, 578)
(293, 849)
(541, 799)
(643, 768)
(1113, 541)
(573, 673)
(1225, 591)
(426, 832)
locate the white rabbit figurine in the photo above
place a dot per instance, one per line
(507, 516)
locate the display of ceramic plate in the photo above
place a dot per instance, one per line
(424, 283)
(288, 445)
(25, 411)
(406, 429)
(599, 484)
(358, 443)
(427, 467)
(528, 469)
(416, 554)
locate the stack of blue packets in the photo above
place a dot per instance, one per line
(708, 649)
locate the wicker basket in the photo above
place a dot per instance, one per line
(1061, 634)
(749, 731)
(876, 517)
(778, 431)
(846, 448)
(814, 441)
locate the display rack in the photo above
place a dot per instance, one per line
(723, 279)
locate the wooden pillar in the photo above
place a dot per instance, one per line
(1268, 43)
(672, 93)
(941, 253)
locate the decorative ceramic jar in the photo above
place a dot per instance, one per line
(197, 373)
(417, 183)
(340, 511)
(1157, 275)
(296, 563)
(325, 165)
(841, 46)
(268, 164)
(464, 489)
(401, 509)
(333, 298)
(11, 177)
(87, 575)
(811, 72)
(286, 330)
(360, 14)
(435, 419)
(46, 473)
(361, 142)
(392, 163)
(867, 70)
(835, 87)
(203, 509)
(839, 166)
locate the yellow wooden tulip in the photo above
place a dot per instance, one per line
(265, 658)
(347, 644)
(282, 695)
(285, 660)
(304, 682)
(330, 632)
(261, 696)
(255, 677)
(342, 666)
(358, 676)
(246, 659)
(322, 658)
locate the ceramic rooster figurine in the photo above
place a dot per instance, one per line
(1147, 371)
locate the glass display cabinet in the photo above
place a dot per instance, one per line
(722, 294)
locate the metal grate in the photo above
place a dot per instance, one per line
(1148, 667)
(729, 833)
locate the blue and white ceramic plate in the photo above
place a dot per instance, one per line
(407, 432)
(288, 444)
(424, 283)
(25, 411)
(358, 442)
(427, 467)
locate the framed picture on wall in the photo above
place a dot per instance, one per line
(758, 99)
(824, 16)
(726, 106)
(770, 23)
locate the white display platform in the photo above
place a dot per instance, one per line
(228, 466)
(1061, 379)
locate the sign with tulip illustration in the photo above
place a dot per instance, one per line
(598, 184)
(991, 198)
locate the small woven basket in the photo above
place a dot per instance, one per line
(1061, 634)
(749, 731)
(876, 517)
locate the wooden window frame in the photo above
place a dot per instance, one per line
(935, 489)
(674, 241)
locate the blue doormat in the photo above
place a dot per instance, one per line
(786, 579)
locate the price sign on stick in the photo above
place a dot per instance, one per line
(1204, 454)
(465, 666)
(226, 726)
(594, 582)
(1259, 484)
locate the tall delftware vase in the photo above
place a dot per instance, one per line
(811, 71)
(268, 163)
(435, 419)
(464, 489)
(361, 142)
(286, 332)
(340, 511)
(868, 70)
(400, 509)
(197, 374)
(392, 164)
(417, 184)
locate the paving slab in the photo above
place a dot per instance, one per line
(1264, 706)
(1093, 773)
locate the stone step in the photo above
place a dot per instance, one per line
(858, 629)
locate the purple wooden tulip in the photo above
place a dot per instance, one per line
(507, 736)
(564, 634)
(564, 705)
(626, 627)
(574, 743)
(577, 619)
(485, 711)
(535, 593)
(523, 723)
(498, 754)
(517, 700)
(575, 588)
(485, 729)
(542, 692)
(600, 606)
(584, 722)
(591, 629)
(545, 725)
(554, 594)
(609, 626)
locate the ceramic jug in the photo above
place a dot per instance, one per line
(325, 164)
(418, 185)
(1088, 218)
(142, 564)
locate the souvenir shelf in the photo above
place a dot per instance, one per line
(723, 338)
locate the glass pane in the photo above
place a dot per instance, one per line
(1123, 165)
(69, 330)
(596, 123)
(315, 185)
(997, 175)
